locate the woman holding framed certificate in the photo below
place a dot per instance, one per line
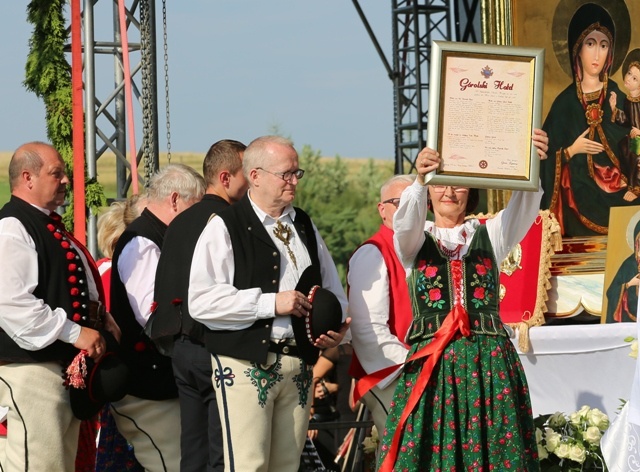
(462, 400)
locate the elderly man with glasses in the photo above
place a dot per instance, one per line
(246, 266)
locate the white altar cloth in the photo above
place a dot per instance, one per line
(571, 366)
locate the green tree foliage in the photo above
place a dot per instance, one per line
(48, 75)
(341, 201)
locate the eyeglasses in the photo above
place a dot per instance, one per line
(394, 201)
(441, 188)
(286, 176)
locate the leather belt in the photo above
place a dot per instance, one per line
(284, 348)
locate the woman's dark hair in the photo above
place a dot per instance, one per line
(590, 17)
(472, 201)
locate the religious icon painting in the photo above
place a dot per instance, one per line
(622, 268)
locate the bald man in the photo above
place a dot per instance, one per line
(48, 284)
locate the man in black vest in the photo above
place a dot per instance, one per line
(148, 417)
(174, 330)
(48, 286)
(246, 265)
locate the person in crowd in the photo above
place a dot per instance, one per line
(379, 305)
(111, 224)
(149, 414)
(178, 333)
(462, 400)
(49, 294)
(585, 174)
(250, 258)
(113, 451)
(331, 392)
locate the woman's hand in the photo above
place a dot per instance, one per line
(541, 142)
(634, 282)
(427, 161)
(613, 100)
(583, 145)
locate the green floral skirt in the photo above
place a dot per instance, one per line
(475, 413)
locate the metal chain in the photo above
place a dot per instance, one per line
(147, 109)
(166, 75)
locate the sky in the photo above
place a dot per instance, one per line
(238, 70)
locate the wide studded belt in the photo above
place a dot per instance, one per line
(285, 347)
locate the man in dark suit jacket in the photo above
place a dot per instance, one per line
(174, 331)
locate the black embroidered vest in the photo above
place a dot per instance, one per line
(171, 317)
(257, 264)
(62, 281)
(151, 374)
(431, 288)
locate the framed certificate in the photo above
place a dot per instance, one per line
(484, 102)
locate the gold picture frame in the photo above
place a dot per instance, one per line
(469, 86)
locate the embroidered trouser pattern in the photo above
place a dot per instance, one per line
(264, 410)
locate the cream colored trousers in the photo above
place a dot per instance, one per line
(42, 433)
(377, 402)
(152, 427)
(264, 410)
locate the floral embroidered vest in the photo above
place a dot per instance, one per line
(435, 279)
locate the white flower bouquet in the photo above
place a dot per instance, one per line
(571, 443)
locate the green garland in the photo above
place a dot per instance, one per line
(48, 75)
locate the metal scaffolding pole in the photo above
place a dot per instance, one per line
(415, 25)
(105, 106)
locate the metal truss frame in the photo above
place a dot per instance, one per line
(415, 24)
(105, 110)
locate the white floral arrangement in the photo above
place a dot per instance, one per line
(370, 443)
(571, 443)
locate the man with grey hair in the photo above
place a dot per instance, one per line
(243, 287)
(148, 417)
(379, 305)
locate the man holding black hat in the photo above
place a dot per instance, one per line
(252, 270)
(49, 289)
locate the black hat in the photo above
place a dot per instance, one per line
(106, 381)
(326, 312)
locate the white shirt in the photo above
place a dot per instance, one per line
(137, 266)
(215, 302)
(505, 230)
(373, 342)
(30, 322)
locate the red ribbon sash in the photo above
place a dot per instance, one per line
(456, 322)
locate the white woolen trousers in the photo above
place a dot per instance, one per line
(42, 433)
(378, 401)
(264, 410)
(152, 427)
